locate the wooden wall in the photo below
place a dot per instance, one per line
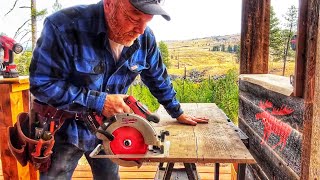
(274, 123)
(254, 60)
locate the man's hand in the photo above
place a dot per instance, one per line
(191, 120)
(115, 104)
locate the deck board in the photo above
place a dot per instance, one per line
(147, 172)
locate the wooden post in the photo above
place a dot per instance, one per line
(14, 93)
(308, 84)
(255, 27)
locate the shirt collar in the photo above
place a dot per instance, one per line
(102, 28)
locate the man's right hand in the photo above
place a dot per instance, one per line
(115, 104)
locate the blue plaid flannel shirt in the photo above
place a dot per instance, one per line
(73, 69)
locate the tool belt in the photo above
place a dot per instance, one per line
(31, 139)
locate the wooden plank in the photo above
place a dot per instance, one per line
(202, 168)
(301, 47)
(308, 58)
(206, 171)
(148, 175)
(19, 87)
(275, 83)
(84, 171)
(214, 142)
(26, 100)
(8, 161)
(205, 142)
(255, 29)
(13, 103)
(222, 177)
(18, 80)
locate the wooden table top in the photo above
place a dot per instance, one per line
(18, 80)
(215, 142)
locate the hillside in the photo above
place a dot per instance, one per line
(197, 54)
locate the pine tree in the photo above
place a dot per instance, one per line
(276, 40)
(291, 18)
(230, 50)
(164, 53)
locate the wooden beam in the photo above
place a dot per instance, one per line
(309, 58)
(255, 27)
(301, 43)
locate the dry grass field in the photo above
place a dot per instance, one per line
(195, 54)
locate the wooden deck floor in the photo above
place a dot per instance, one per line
(147, 172)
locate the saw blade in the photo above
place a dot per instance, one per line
(135, 134)
(128, 140)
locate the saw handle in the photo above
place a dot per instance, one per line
(140, 110)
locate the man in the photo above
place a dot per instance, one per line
(86, 58)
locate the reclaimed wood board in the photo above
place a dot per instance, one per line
(279, 84)
(273, 122)
(206, 143)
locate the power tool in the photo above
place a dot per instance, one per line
(128, 137)
(8, 46)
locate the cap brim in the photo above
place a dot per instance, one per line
(151, 8)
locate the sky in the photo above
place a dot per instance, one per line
(189, 19)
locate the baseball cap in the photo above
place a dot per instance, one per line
(150, 7)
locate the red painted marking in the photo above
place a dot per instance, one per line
(274, 125)
(128, 121)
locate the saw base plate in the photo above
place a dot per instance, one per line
(154, 153)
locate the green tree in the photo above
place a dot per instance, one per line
(291, 18)
(276, 40)
(23, 61)
(223, 48)
(230, 49)
(164, 53)
(56, 6)
(23, 32)
(237, 51)
(235, 48)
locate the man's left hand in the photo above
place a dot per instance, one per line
(191, 120)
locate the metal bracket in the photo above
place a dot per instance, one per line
(153, 153)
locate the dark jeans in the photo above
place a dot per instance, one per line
(66, 155)
(65, 159)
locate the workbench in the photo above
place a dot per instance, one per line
(215, 142)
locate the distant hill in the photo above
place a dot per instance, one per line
(205, 43)
(196, 54)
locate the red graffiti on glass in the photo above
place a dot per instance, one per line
(274, 125)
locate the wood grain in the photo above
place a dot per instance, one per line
(14, 100)
(255, 29)
(206, 143)
(18, 80)
(308, 85)
(9, 164)
(275, 83)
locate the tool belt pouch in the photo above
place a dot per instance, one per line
(25, 149)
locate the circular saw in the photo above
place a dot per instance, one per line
(128, 138)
